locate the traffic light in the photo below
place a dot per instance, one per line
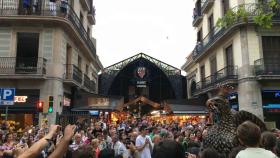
(50, 110)
(40, 106)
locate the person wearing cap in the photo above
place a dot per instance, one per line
(144, 143)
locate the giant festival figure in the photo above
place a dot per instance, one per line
(222, 135)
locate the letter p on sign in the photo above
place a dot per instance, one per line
(7, 93)
(7, 96)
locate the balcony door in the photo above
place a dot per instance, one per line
(198, 8)
(213, 69)
(193, 87)
(225, 6)
(79, 62)
(69, 66)
(202, 75)
(199, 35)
(27, 52)
(271, 55)
(211, 25)
(229, 61)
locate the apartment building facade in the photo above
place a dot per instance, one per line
(243, 56)
(46, 53)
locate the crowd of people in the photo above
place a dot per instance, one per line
(132, 138)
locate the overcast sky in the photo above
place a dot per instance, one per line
(160, 28)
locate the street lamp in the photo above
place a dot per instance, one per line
(139, 112)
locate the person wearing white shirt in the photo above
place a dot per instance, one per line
(249, 135)
(77, 142)
(144, 143)
(118, 147)
(52, 5)
(255, 153)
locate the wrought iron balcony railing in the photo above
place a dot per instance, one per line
(227, 73)
(217, 33)
(93, 86)
(87, 82)
(73, 73)
(17, 65)
(13, 8)
(267, 67)
(206, 5)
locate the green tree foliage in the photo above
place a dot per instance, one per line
(261, 14)
(242, 14)
(227, 20)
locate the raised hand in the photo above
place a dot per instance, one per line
(53, 129)
(69, 132)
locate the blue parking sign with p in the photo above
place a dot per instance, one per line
(7, 96)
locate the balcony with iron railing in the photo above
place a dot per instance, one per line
(217, 33)
(75, 77)
(92, 86)
(18, 66)
(45, 10)
(87, 82)
(73, 74)
(267, 68)
(188, 61)
(206, 5)
(227, 74)
(197, 17)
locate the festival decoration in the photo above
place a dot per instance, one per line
(222, 134)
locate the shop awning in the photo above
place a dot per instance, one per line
(86, 101)
(18, 109)
(184, 106)
(187, 109)
(139, 99)
(112, 105)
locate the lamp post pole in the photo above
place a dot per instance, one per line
(6, 114)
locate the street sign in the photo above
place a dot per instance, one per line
(7, 96)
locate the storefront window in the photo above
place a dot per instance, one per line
(271, 106)
(23, 113)
(271, 101)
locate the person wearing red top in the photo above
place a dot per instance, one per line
(96, 150)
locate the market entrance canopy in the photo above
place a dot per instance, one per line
(141, 99)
